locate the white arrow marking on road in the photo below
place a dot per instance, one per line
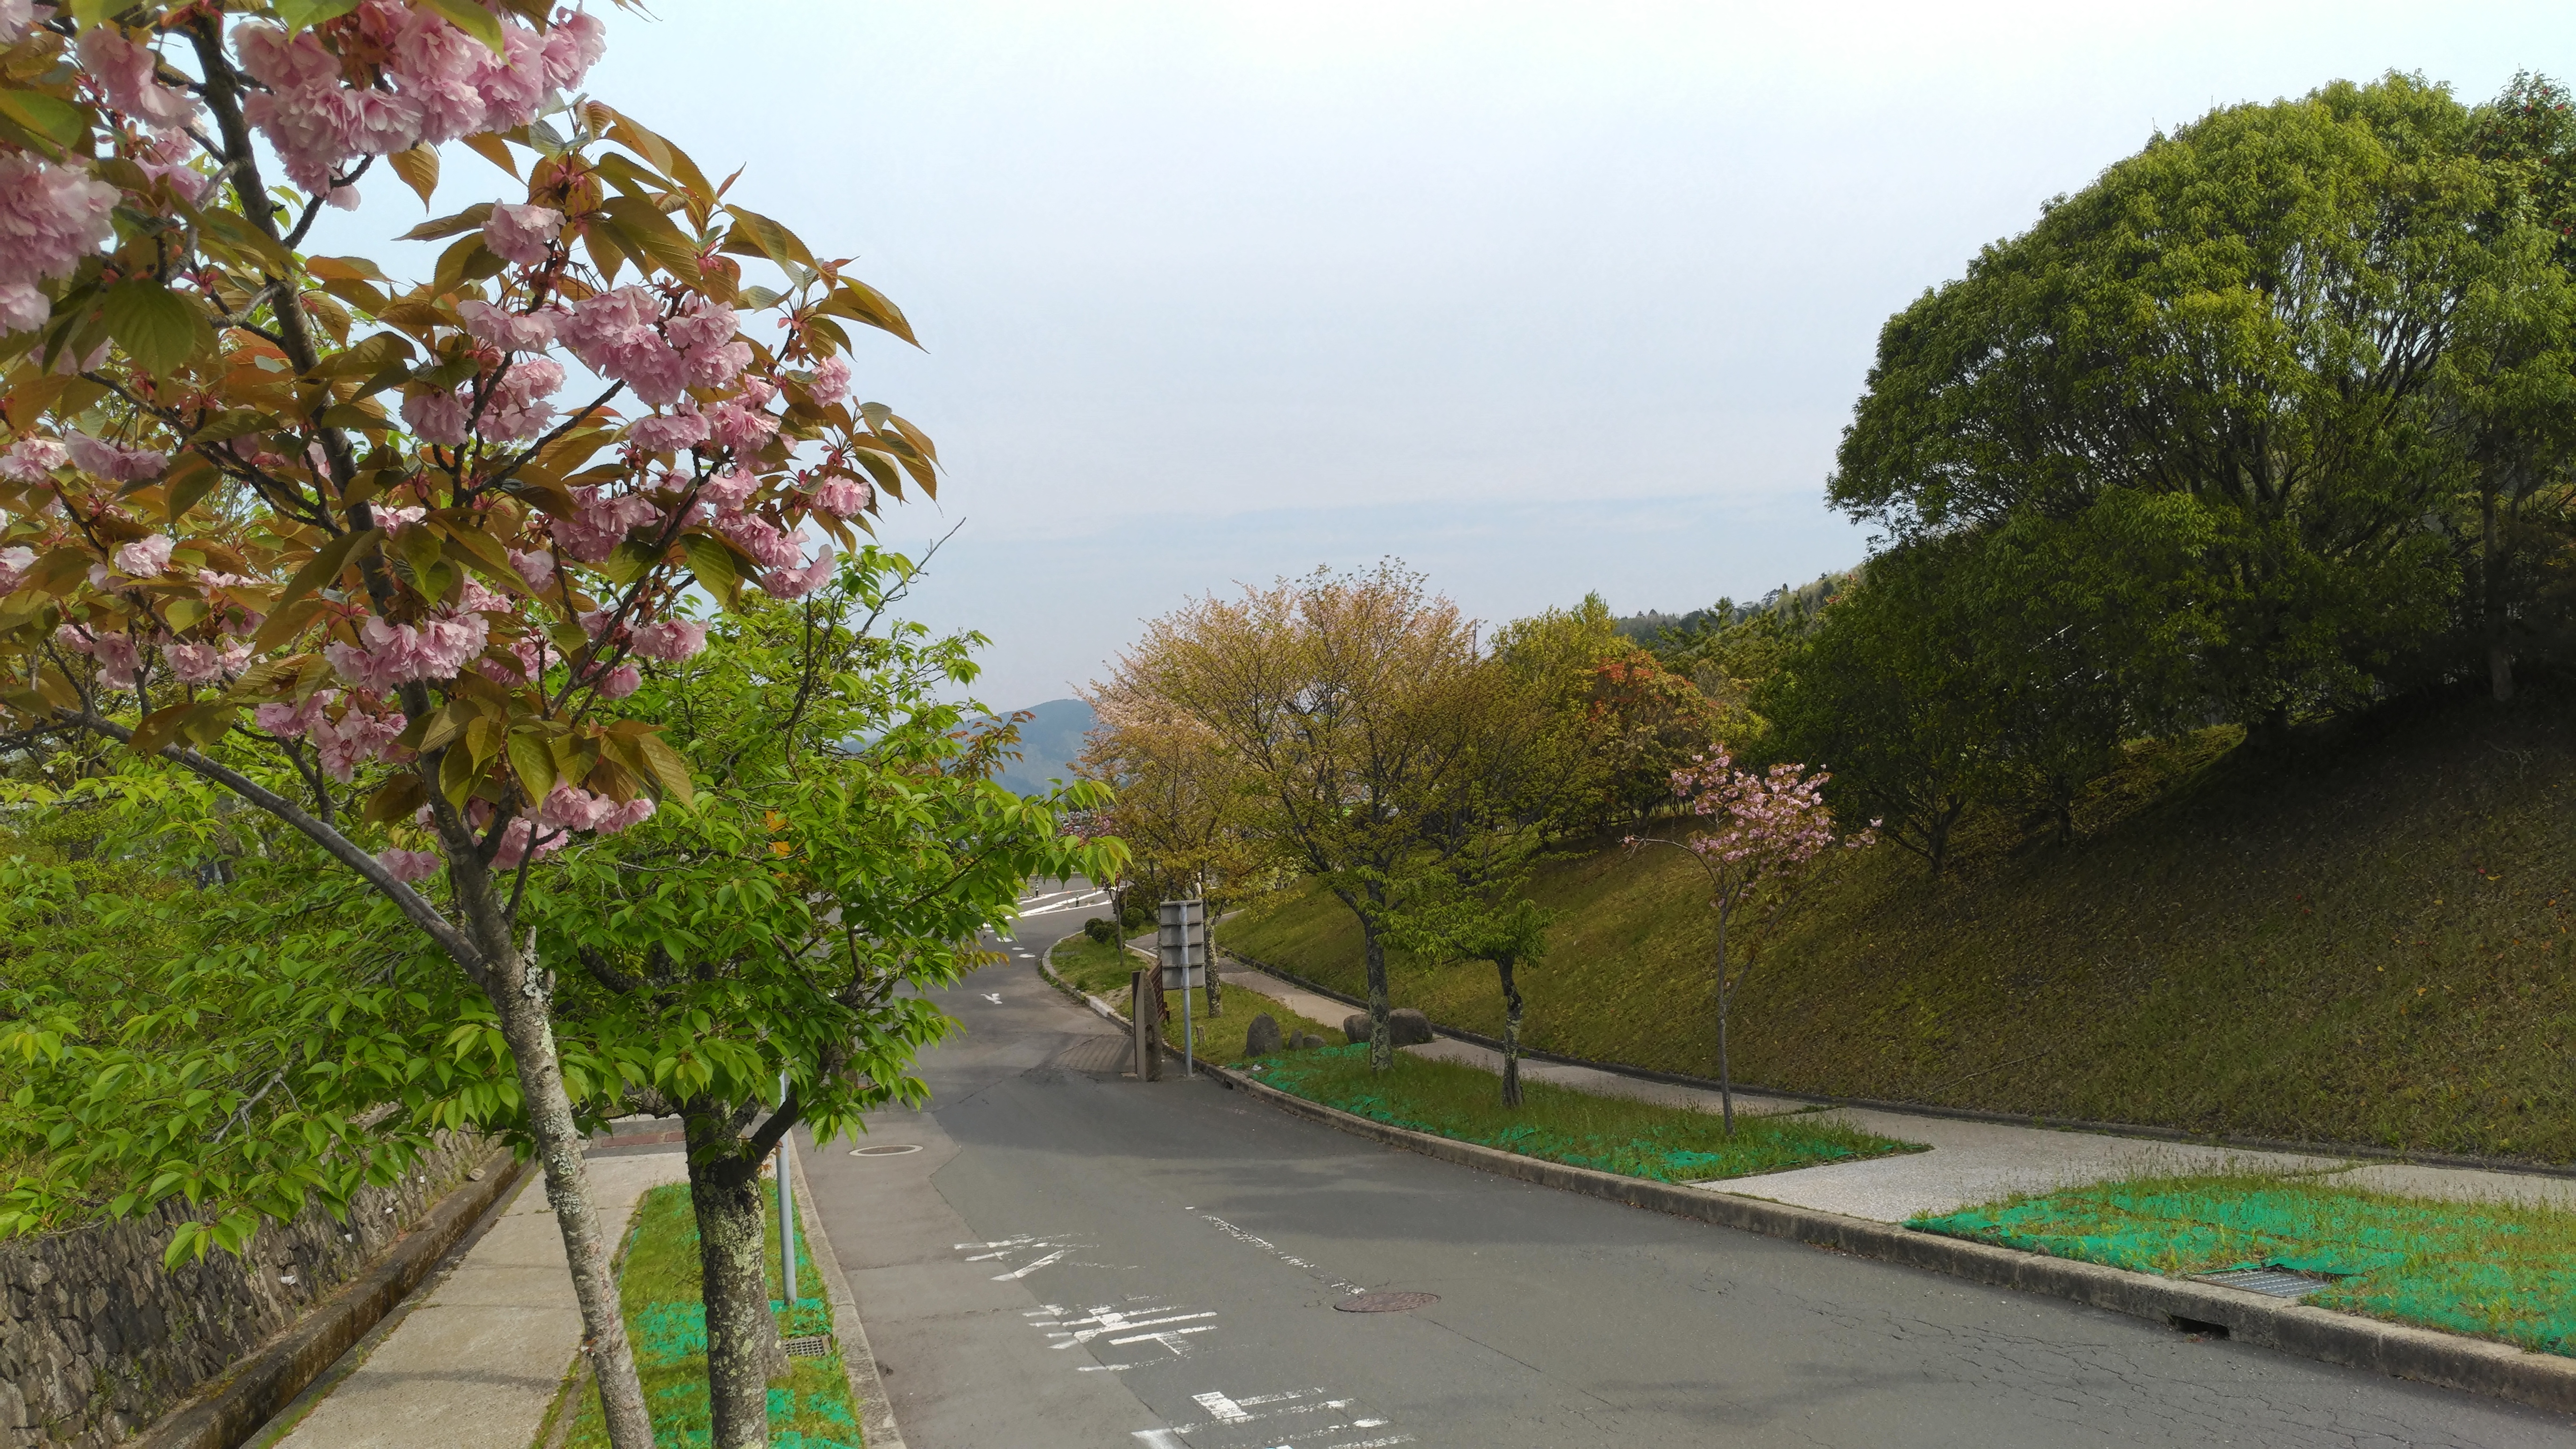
(994, 997)
(1033, 1267)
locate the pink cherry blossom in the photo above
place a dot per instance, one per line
(842, 497)
(740, 428)
(517, 409)
(293, 721)
(50, 217)
(757, 392)
(620, 682)
(167, 157)
(115, 464)
(797, 583)
(537, 568)
(701, 323)
(758, 537)
(728, 490)
(716, 366)
(32, 460)
(118, 659)
(24, 307)
(507, 330)
(633, 812)
(614, 334)
(831, 381)
(574, 43)
(522, 233)
(514, 843)
(670, 639)
(391, 654)
(14, 563)
(593, 534)
(435, 417)
(124, 70)
(144, 557)
(206, 663)
(15, 17)
(409, 866)
(668, 432)
(354, 739)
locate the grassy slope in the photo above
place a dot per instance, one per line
(2365, 940)
(1102, 970)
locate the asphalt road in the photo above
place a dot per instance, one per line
(1074, 1259)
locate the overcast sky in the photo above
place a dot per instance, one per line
(1539, 298)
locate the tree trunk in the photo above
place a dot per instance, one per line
(1511, 1037)
(521, 997)
(2491, 604)
(1725, 999)
(1381, 1041)
(743, 1348)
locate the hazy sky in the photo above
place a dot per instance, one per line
(1539, 298)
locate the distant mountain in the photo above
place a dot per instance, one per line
(1050, 741)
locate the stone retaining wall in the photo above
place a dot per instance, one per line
(97, 1340)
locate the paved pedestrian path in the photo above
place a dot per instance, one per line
(1969, 1162)
(475, 1362)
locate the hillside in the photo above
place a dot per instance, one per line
(1050, 741)
(2365, 939)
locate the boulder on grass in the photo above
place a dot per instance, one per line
(1308, 1041)
(1408, 1027)
(1356, 1027)
(1262, 1039)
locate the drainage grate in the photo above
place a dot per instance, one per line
(811, 1345)
(1386, 1302)
(2275, 1281)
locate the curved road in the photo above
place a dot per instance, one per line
(1073, 1259)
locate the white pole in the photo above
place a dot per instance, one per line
(786, 1204)
(1189, 1065)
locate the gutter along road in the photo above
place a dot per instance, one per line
(1076, 1259)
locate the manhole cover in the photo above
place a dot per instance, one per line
(811, 1345)
(1386, 1302)
(2275, 1281)
(886, 1149)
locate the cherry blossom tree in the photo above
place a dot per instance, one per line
(359, 551)
(1761, 839)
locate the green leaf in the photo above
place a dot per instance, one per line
(717, 570)
(57, 121)
(156, 326)
(324, 566)
(533, 763)
(418, 168)
(470, 219)
(470, 17)
(669, 770)
(301, 15)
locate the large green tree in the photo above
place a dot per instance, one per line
(2268, 314)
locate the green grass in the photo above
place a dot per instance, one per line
(1612, 1134)
(2366, 940)
(1102, 971)
(2495, 1271)
(658, 1284)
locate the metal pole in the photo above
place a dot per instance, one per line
(786, 1204)
(1189, 1064)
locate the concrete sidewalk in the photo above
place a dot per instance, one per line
(1970, 1162)
(475, 1362)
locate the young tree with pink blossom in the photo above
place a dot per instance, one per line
(350, 548)
(1761, 838)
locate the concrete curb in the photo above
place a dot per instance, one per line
(2357, 1150)
(260, 1386)
(867, 1386)
(2543, 1381)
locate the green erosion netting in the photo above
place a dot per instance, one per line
(659, 1285)
(1634, 1139)
(2493, 1271)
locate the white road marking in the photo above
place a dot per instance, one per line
(1267, 1246)
(994, 997)
(1167, 1338)
(1018, 1273)
(1225, 1409)
(1160, 1439)
(1110, 1320)
(1103, 1368)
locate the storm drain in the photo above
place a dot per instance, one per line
(1386, 1302)
(810, 1345)
(2277, 1282)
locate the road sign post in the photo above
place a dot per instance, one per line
(1180, 938)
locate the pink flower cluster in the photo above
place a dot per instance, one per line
(592, 534)
(797, 583)
(842, 497)
(125, 70)
(440, 83)
(390, 654)
(32, 460)
(115, 464)
(519, 408)
(355, 738)
(206, 663)
(568, 807)
(615, 334)
(409, 866)
(119, 660)
(831, 381)
(50, 217)
(521, 233)
(143, 558)
(671, 640)
(510, 331)
(537, 568)
(1767, 824)
(14, 563)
